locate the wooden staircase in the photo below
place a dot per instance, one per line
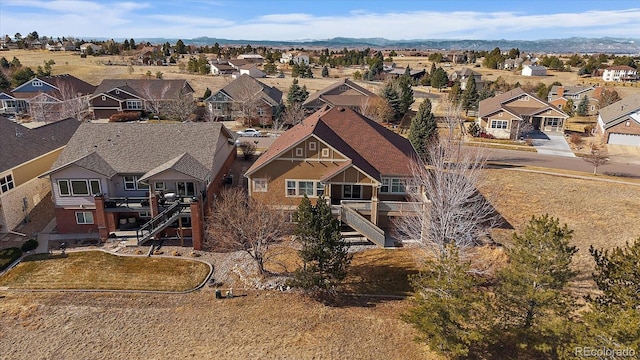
(160, 222)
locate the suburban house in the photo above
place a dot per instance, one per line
(25, 154)
(220, 68)
(158, 179)
(414, 74)
(245, 98)
(121, 95)
(619, 123)
(534, 70)
(46, 96)
(559, 95)
(620, 73)
(255, 58)
(84, 48)
(345, 93)
(249, 69)
(61, 46)
(295, 57)
(332, 154)
(502, 114)
(10, 105)
(463, 76)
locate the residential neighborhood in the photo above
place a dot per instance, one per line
(291, 182)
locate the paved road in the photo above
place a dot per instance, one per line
(525, 158)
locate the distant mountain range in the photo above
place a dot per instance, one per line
(569, 45)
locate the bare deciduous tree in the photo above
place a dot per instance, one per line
(73, 104)
(597, 157)
(456, 212)
(181, 107)
(155, 102)
(44, 108)
(377, 109)
(453, 118)
(246, 103)
(293, 114)
(248, 224)
(520, 128)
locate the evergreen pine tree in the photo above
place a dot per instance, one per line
(391, 95)
(439, 78)
(325, 71)
(207, 93)
(324, 252)
(297, 94)
(406, 94)
(583, 106)
(534, 304)
(470, 96)
(455, 93)
(423, 128)
(568, 107)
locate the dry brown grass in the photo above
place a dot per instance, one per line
(101, 270)
(601, 214)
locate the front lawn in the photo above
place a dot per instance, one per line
(103, 271)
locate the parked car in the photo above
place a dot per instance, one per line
(249, 133)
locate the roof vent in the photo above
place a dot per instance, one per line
(341, 109)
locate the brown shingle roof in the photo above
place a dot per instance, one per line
(333, 86)
(246, 86)
(371, 147)
(20, 144)
(156, 87)
(133, 148)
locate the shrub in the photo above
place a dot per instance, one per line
(125, 116)
(474, 129)
(485, 135)
(29, 245)
(576, 139)
(8, 256)
(588, 129)
(175, 253)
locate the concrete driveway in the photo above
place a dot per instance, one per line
(551, 144)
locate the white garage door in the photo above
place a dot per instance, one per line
(624, 139)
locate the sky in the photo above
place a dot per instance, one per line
(309, 19)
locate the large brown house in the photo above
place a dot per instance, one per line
(343, 93)
(359, 166)
(502, 114)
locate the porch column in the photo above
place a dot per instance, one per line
(374, 205)
(197, 224)
(101, 217)
(153, 204)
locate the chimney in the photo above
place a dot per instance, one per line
(560, 91)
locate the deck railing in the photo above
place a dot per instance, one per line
(160, 221)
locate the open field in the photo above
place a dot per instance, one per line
(601, 214)
(107, 271)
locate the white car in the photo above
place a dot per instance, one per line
(249, 133)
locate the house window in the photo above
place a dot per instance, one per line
(94, 185)
(312, 146)
(6, 183)
(117, 92)
(553, 122)
(63, 186)
(261, 112)
(325, 152)
(134, 105)
(299, 152)
(393, 186)
(159, 186)
(79, 188)
(84, 217)
(259, 185)
(104, 98)
(144, 214)
(304, 187)
(344, 88)
(186, 188)
(500, 115)
(593, 107)
(499, 124)
(37, 83)
(352, 191)
(130, 182)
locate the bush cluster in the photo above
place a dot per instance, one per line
(125, 116)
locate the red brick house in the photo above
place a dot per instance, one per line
(156, 178)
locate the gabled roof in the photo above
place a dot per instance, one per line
(501, 102)
(467, 72)
(60, 83)
(352, 135)
(621, 111)
(620, 67)
(570, 90)
(135, 148)
(157, 88)
(19, 144)
(245, 87)
(185, 164)
(315, 96)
